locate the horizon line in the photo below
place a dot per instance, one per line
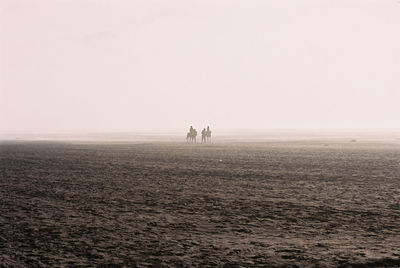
(222, 130)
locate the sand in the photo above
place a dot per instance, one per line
(232, 204)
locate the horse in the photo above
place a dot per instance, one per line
(208, 135)
(191, 136)
(203, 135)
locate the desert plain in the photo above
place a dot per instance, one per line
(305, 203)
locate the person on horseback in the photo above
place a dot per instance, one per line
(191, 135)
(208, 133)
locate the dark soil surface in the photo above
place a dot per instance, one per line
(305, 204)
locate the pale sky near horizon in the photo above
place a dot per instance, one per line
(153, 65)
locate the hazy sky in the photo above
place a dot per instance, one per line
(80, 65)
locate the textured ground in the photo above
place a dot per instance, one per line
(173, 204)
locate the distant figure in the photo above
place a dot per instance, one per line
(208, 134)
(191, 135)
(203, 135)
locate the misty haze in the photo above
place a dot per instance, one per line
(153, 133)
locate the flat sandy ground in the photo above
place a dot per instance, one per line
(243, 204)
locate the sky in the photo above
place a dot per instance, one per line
(154, 65)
